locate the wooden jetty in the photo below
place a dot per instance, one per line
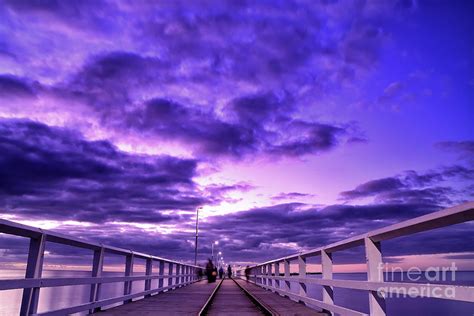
(270, 290)
(227, 297)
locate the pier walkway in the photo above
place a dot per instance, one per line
(276, 287)
(188, 300)
(226, 297)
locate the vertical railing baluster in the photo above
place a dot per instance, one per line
(269, 274)
(373, 255)
(287, 285)
(277, 274)
(178, 268)
(127, 287)
(185, 277)
(170, 272)
(182, 275)
(302, 291)
(148, 272)
(185, 271)
(97, 267)
(161, 272)
(326, 267)
(34, 269)
(264, 276)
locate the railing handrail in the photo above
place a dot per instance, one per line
(446, 217)
(17, 229)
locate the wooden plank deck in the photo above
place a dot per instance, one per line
(187, 300)
(230, 300)
(278, 304)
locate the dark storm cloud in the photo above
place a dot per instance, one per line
(256, 131)
(53, 173)
(107, 81)
(373, 187)
(464, 148)
(411, 186)
(308, 138)
(291, 196)
(220, 191)
(195, 127)
(248, 125)
(14, 86)
(245, 54)
(85, 14)
(265, 233)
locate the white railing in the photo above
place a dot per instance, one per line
(263, 275)
(179, 274)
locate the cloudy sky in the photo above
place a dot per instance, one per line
(292, 124)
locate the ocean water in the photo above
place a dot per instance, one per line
(59, 297)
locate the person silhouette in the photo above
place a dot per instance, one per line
(210, 271)
(229, 271)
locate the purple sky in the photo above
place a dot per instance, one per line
(293, 124)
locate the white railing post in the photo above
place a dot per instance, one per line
(287, 284)
(185, 271)
(264, 275)
(269, 274)
(161, 272)
(373, 255)
(170, 272)
(127, 286)
(182, 274)
(34, 269)
(277, 274)
(302, 274)
(97, 267)
(148, 272)
(178, 268)
(326, 267)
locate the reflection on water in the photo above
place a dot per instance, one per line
(65, 296)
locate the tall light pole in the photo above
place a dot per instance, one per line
(212, 249)
(196, 242)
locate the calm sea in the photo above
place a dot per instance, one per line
(54, 298)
